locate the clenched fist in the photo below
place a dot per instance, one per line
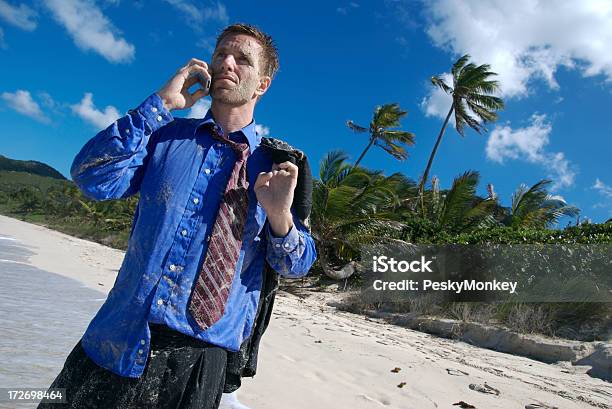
(274, 191)
(175, 93)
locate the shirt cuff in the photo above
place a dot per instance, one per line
(285, 244)
(152, 109)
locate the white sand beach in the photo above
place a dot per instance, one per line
(314, 356)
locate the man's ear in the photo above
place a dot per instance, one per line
(264, 84)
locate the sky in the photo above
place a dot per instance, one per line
(69, 68)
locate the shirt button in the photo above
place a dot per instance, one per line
(142, 342)
(140, 351)
(159, 118)
(286, 245)
(127, 131)
(207, 171)
(160, 301)
(208, 238)
(277, 245)
(196, 200)
(172, 267)
(153, 109)
(184, 232)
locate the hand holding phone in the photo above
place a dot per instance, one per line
(175, 93)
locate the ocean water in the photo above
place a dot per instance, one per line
(42, 316)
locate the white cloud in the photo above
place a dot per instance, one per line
(526, 39)
(504, 142)
(345, 10)
(602, 188)
(207, 43)
(529, 144)
(605, 191)
(262, 130)
(557, 197)
(87, 111)
(199, 109)
(197, 15)
(2, 42)
(23, 16)
(47, 100)
(91, 29)
(22, 102)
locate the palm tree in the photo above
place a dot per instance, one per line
(534, 207)
(30, 199)
(472, 103)
(459, 209)
(385, 117)
(353, 206)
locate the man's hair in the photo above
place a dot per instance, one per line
(269, 52)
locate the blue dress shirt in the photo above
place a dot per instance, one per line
(181, 173)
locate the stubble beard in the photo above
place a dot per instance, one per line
(235, 96)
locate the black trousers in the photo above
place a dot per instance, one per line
(181, 372)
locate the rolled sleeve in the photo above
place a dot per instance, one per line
(293, 254)
(286, 244)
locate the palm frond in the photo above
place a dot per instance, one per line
(387, 116)
(331, 165)
(459, 198)
(534, 207)
(439, 82)
(357, 128)
(458, 66)
(527, 199)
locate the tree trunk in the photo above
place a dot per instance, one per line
(364, 152)
(342, 274)
(433, 153)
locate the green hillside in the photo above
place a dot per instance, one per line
(12, 180)
(29, 166)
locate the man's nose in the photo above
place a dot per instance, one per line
(228, 63)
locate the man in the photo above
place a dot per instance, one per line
(214, 210)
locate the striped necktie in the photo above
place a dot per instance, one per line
(214, 281)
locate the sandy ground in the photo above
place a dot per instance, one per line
(316, 356)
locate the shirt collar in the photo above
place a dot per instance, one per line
(249, 131)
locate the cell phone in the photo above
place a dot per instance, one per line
(209, 81)
(205, 82)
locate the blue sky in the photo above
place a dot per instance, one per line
(68, 68)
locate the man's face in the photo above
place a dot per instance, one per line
(235, 66)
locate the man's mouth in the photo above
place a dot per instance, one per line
(225, 77)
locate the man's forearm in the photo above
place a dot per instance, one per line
(280, 223)
(293, 254)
